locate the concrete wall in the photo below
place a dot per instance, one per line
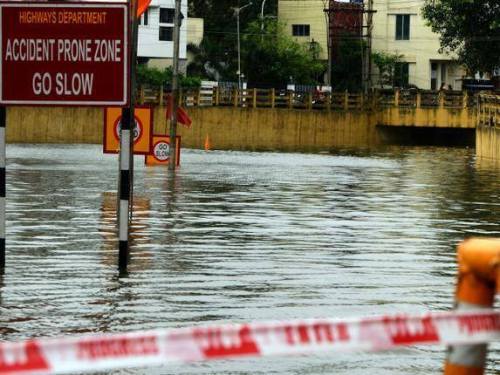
(275, 129)
(488, 142)
(230, 128)
(226, 127)
(54, 125)
(428, 117)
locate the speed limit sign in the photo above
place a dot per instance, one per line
(160, 153)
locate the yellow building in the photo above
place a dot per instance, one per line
(398, 27)
(306, 21)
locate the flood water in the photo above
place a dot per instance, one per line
(239, 237)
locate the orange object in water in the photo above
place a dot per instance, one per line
(478, 281)
(207, 143)
(142, 5)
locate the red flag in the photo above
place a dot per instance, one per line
(142, 5)
(182, 116)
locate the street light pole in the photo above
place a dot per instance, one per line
(238, 10)
(262, 15)
(239, 49)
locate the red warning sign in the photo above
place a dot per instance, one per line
(64, 53)
(143, 130)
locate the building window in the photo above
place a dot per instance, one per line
(401, 74)
(167, 15)
(434, 68)
(443, 73)
(402, 27)
(166, 33)
(145, 18)
(301, 30)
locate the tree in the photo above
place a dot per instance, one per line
(273, 57)
(469, 28)
(347, 54)
(386, 64)
(218, 52)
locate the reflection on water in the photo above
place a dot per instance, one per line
(138, 231)
(242, 237)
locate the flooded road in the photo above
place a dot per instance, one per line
(239, 237)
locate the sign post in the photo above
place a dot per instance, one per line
(175, 83)
(65, 54)
(126, 178)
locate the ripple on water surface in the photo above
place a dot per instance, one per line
(239, 237)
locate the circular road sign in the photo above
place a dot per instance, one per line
(161, 151)
(138, 128)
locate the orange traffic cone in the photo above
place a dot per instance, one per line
(207, 143)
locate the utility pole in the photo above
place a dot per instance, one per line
(367, 58)
(175, 86)
(328, 42)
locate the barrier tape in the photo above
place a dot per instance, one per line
(148, 348)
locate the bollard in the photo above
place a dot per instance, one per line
(478, 281)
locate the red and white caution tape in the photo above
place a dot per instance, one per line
(113, 351)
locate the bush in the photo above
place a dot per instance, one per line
(156, 78)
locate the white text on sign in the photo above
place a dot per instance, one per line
(63, 50)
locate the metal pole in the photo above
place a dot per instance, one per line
(262, 20)
(328, 43)
(366, 57)
(369, 46)
(126, 158)
(239, 52)
(3, 121)
(175, 86)
(262, 15)
(238, 10)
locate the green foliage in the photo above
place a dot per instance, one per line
(153, 77)
(346, 65)
(217, 57)
(386, 64)
(156, 78)
(190, 82)
(271, 56)
(468, 28)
